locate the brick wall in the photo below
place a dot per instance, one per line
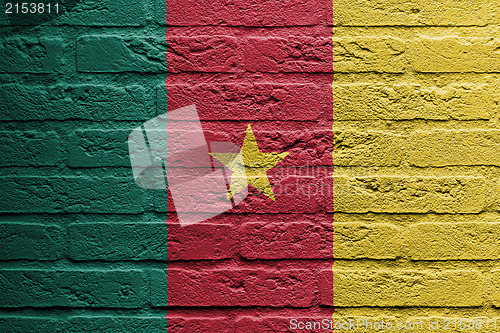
(415, 109)
(83, 248)
(414, 143)
(268, 64)
(81, 244)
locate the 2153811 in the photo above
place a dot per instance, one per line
(31, 8)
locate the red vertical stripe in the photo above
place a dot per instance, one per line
(265, 262)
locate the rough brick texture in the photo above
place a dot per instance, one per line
(84, 288)
(212, 54)
(41, 149)
(267, 63)
(33, 55)
(240, 287)
(84, 249)
(97, 102)
(414, 13)
(416, 194)
(410, 215)
(253, 13)
(251, 102)
(112, 54)
(288, 55)
(410, 101)
(408, 288)
(79, 239)
(32, 241)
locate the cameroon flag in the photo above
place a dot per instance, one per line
(195, 166)
(248, 119)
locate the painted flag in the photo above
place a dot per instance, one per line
(259, 75)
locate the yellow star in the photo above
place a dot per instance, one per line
(253, 163)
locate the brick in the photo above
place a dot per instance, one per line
(95, 102)
(269, 13)
(394, 194)
(258, 101)
(210, 54)
(286, 240)
(356, 240)
(201, 241)
(454, 147)
(116, 324)
(295, 54)
(78, 289)
(369, 54)
(294, 191)
(293, 194)
(370, 148)
(310, 150)
(158, 288)
(453, 241)
(402, 101)
(5, 20)
(30, 324)
(99, 148)
(496, 12)
(116, 54)
(495, 281)
(326, 294)
(454, 54)
(31, 148)
(309, 145)
(31, 241)
(118, 241)
(104, 13)
(460, 288)
(32, 55)
(200, 324)
(71, 195)
(235, 287)
(160, 11)
(410, 13)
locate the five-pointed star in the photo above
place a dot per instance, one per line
(254, 165)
